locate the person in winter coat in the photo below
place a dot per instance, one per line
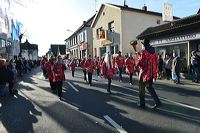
(120, 62)
(90, 67)
(59, 70)
(148, 68)
(195, 60)
(7, 76)
(72, 66)
(42, 64)
(130, 64)
(108, 70)
(82, 65)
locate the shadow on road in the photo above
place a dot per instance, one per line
(18, 114)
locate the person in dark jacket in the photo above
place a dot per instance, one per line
(8, 76)
(195, 66)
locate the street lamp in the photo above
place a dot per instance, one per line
(70, 30)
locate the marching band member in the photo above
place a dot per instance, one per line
(130, 64)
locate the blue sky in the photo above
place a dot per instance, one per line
(47, 21)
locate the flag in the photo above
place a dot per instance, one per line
(14, 31)
(58, 51)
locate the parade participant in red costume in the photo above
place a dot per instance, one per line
(42, 64)
(51, 75)
(148, 68)
(59, 68)
(97, 65)
(82, 65)
(130, 64)
(120, 64)
(108, 70)
(90, 66)
(72, 66)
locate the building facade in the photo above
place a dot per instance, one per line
(80, 43)
(113, 33)
(178, 37)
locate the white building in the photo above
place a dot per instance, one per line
(80, 43)
(115, 26)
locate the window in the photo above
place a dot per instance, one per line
(111, 26)
(102, 51)
(98, 31)
(158, 21)
(114, 49)
(3, 43)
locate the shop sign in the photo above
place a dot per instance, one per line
(176, 39)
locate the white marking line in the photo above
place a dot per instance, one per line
(180, 114)
(73, 87)
(119, 128)
(164, 99)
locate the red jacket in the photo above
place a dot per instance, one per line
(42, 63)
(89, 65)
(148, 65)
(97, 64)
(72, 66)
(59, 70)
(120, 61)
(50, 72)
(130, 64)
(82, 64)
(108, 72)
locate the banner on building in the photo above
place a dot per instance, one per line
(167, 14)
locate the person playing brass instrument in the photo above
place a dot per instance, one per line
(148, 68)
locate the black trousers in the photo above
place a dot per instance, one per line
(72, 73)
(98, 71)
(168, 73)
(84, 72)
(131, 78)
(120, 73)
(53, 86)
(59, 85)
(151, 90)
(109, 84)
(178, 76)
(90, 78)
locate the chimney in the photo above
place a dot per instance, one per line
(84, 22)
(144, 8)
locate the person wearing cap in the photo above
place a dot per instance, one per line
(130, 64)
(148, 68)
(120, 62)
(108, 70)
(59, 70)
(82, 65)
(90, 67)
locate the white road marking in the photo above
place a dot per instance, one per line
(113, 123)
(73, 87)
(164, 99)
(181, 114)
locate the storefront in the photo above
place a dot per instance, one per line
(180, 37)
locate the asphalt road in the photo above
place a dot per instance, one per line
(88, 109)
